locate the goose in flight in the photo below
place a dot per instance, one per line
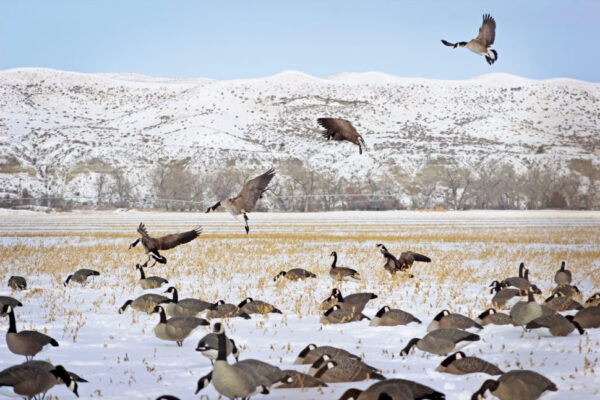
(481, 44)
(246, 199)
(153, 245)
(341, 129)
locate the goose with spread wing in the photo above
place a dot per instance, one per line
(341, 129)
(153, 245)
(481, 44)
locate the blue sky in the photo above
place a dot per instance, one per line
(241, 39)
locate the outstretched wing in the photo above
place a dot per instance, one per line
(341, 128)
(142, 230)
(419, 257)
(173, 240)
(253, 190)
(487, 32)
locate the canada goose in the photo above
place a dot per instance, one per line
(403, 262)
(25, 343)
(176, 328)
(251, 306)
(593, 300)
(559, 302)
(231, 381)
(208, 346)
(481, 44)
(505, 299)
(145, 303)
(300, 380)
(185, 307)
(441, 341)
(589, 317)
(356, 301)
(522, 283)
(555, 325)
(7, 300)
(567, 290)
(524, 312)
(321, 361)
(226, 310)
(562, 276)
(394, 389)
(246, 199)
(295, 274)
(392, 317)
(312, 353)
(153, 245)
(341, 129)
(269, 375)
(342, 273)
(151, 282)
(49, 367)
(444, 319)
(81, 275)
(17, 283)
(339, 371)
(459, 364)
(516, 385)
(339, 315)
(493, 317)
(31, 380)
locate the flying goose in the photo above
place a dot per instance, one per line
(493, 317)
(562, 276)
(185, 307)
(341, 129)
(593, 300)
(7, 300)
(560, 302)
(312, 353)
(145, 303)
(226, 310)
(394, 389)
(356, 301)
(25, 343)
(481, 44)
(251, 306)
(153, 245)
(295, 274)
(151, 282)
(404, 262)
(459, 364)
(445, 319)
(441, 341)
(589, 317)
(555, 325)
(339, 371)
(176, 328)
(392, 317)
(246, 199)
(339, 315)
(516, 385)
(32, 380)
(81, 275)
(342, 273)
(17, 283)
(208, 346)
(321, 361)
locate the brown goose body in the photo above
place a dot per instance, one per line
(251, 306)
(176, 329)
(589, 317)
(392, 317)
(492, 317)
(562, 276)
(300, 380)
(208, 346)
(351, 362)
(150, 282)
(394, 389)
(339, 371)
(81, 275)
(339, 315)
(505, 299)
(17, 283)
(49, 367)
(226, 310)
(554, 325)
(403, 262)
(342, 273)
(516, 385)
(295, 274)
(312, 353)
(445, 319)
(25, 343)
(355, 301)
(145, 302)
(459, 364)
(153, 245)
(559, 302)
(482, 43)
(593, 300)
(30, 380)
(441, 341)
(188, 307)
(8, 301)
(570, 291)
(341, 129)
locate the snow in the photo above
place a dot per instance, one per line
(122, 359)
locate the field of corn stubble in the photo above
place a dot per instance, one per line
(122, 359)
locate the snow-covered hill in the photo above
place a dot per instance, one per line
(60, 131)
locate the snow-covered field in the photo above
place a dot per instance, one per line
(122, 359)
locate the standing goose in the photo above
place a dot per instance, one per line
(151, 282)
(208, 346)
(295, 274)
(445, 319)
(246, 199)
(589, 317)
(145, 303)
(317, 365)
(516, 385)
(459, 364)
(312, 353)
(562, 276)
(10, 301)
(404, 262)
(559, 302)
(32, 380)
(251, 306)
(493, 317)
(226, 310)
(17, 283)
(153, 245)
(185, 307)
(339, 315)
(356, 301)
(342, 273)
(593, 300)
(81, 275)
(392, 317)
(526, 311)
(341, 129)
(25, 343)
(394, 389)
(481, 44)
(441, 341)
(176, 329)
(555, 325)
(339, 371)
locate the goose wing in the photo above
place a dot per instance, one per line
(487, 32)
(175, 239)
(253, 190)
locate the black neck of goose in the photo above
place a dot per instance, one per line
(530, 298)
(562, 266)
(142, 274)
(526, 275)
(334, 260)
(127, 303)
(222, 347)
(351, 394)
(163, 316)
(175, 296)
(12, 328)
(68, 279)
(490, 384)
(521, 267)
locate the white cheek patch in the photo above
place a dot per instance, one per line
(72, 385)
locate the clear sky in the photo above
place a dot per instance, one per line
(227, 39)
